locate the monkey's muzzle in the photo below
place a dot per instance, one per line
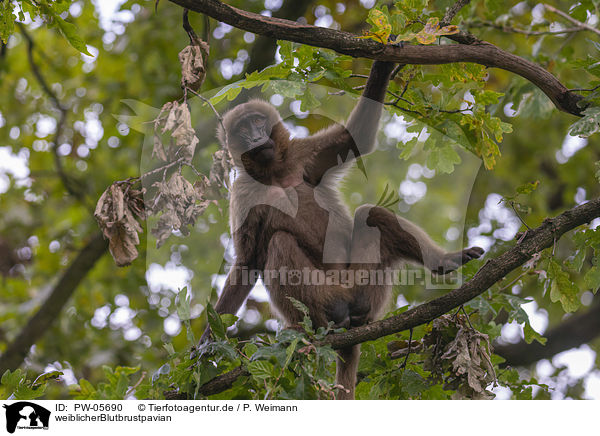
(263, 153)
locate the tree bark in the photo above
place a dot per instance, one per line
(39, 323)
(475, 51)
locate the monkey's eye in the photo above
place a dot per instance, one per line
(258, 121)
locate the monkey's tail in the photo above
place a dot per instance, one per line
(347, 365)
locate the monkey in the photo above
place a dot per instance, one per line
(286, 213)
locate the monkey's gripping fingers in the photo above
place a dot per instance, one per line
(452, 261)
(393, 40)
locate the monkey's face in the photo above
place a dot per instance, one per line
(251, 139)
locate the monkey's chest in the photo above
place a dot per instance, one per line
(309, 224)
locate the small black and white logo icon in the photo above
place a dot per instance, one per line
(26, 415)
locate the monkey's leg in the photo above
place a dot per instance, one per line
(400, 239)
(346, 367)
(289, 272)
(326, 303)
(380, 240)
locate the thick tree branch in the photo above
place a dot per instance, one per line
(263, 49)
(39, 323)
(494, 270)
(476, 51)
(575, 331)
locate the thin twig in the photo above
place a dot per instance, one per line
(510, 29)
(62, 119)
(163, 168)
(396, 71)
(571, 19)
(452, 11)
(188, 28)
(410, 335)
(206, 30)
(392, 103)
(134, 387)
(217, 114)
(514, 281)
(585, 89)
(462, 307)
(512, 204)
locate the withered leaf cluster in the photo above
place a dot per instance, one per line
(179, 204)
(117, 212)
(178, 123)
(176, 201)
(464, 353)
(192, 59)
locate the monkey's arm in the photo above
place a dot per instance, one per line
(236, 289)
(357, 138)
(239, 281)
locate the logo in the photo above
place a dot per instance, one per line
(26, 415)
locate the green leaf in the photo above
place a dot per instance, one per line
(407, 148)
(592, 278)
(249, 349)
(528, 188)
(531, 335)
(309, 101)
(183, 305)
(7, 20)
(289, 352)
(299, 305)
(287, 88)
(588, 125)
(285, 50)
(261, 369)
(562, 288)
(228, 320)
(46, 377)
(215, 322)
(576, 262)
(69, 31)
(443, 159)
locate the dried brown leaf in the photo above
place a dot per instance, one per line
(192, 60)
(116, 212)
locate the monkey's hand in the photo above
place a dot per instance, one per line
(393, 40)
(453, 261)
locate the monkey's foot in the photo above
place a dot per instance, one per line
(453, 261)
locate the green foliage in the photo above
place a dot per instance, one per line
(116, 386)
(562, 287)
(50, 11)
(453, 108)
(15, 385)
(588, 125)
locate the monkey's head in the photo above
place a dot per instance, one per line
(248, 130)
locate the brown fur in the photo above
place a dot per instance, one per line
(288, 213)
